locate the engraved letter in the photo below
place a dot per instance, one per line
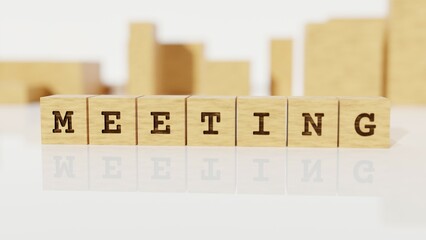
(63, 121)
(210, 115)
(157, 122)
(317, 127)
(108, 122)
(261, 124)
(370, 127)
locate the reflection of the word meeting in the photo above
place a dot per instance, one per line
(214, 170)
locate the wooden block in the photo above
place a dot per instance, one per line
(364, 122)
(19, 92)
(225, 78)
(143, 54)
(312, 121)
(179, 68)
(13, 92)
(345, 58)
(112, 120)
(211, 121)
(281, 66)
(56, 77)
(406, 50)
(162, 120)
(64, 119)
(262, 121)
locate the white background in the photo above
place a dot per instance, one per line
(232, 30)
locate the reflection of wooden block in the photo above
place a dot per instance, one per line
(345, 58)
(262, 121)
(179, 68)
(312, 122)
(65, 167)
(161, 120)
(162, 169)
(407, 46)
(143, 53)
(56, 77)
(281, 64)
(211, 121)
(261, 170)
(210, 170)
(112, 120)
(312, 172)
(364, 122)
(225, 78)
(113, 168)
(64, 119)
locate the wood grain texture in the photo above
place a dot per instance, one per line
(143, 55)
(55, 77)
(112, 120)
(345, 57)
(364, 122)
(211, 121)
(301, 133)
(73, 113)
(162, 120)
(262, 121)
(406, 50)
(281, 66)
(225, 78)
(179, 68)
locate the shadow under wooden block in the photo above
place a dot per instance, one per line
(162, 120)
(364, 122)
(179, 68)
(64, 119)
(56, 77)
(345, 57)
(211, 121)
(312, 122)
(262, 121)
(143, 54)
(112, 120)
(406, 78)
(225, 78)
(281, 51)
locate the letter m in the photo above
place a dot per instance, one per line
(67, 120)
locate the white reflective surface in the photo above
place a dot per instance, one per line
(132, 192)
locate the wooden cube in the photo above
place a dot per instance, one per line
(312, 122)
(211, 121)
(64, 119)
(179, 68)
(112, 120)
(281, 66)
(345, 57)
(364, 122)
(225, 78)
(262, 121)
(162, 120)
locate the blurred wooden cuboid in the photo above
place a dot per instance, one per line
(23, 82)
(345, 57)
(180, 68)
(406, 73)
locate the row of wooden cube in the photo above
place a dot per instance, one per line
(216, 121)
